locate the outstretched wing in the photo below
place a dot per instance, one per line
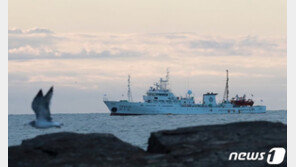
(47, 99)
(37, 101)
(41, 103)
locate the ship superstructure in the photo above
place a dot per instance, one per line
(159, 99)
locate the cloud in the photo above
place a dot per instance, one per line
(24, 50)
(39, 31)
(29, 31)
(151, 46)
(101, 61)
(29, 53)
(253, 41)
(33, 40)
(15, 31)
(211, 44)
(241, 46)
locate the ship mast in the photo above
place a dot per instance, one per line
(167, 78)
(226, 91)
(163, 83)
(129, 93)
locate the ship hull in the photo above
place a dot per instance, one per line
(138, 108)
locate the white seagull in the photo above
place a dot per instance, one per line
(40, 106)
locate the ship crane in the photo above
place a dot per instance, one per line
(226, 91)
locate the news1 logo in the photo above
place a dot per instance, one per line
(274, 156)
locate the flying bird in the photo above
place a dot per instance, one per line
(40, 106)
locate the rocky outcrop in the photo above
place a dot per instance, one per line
(72, 149)
(211, 145)
(192, 146)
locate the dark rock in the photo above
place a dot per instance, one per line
(211, 145)
(72, 149)
(192, 146)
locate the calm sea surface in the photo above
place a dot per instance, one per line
(132, 129)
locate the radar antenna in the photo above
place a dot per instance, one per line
(129, 93)
(167, 78)
(226, 91)
(163, 83)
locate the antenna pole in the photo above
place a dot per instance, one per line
(129, 93)
(167, 78)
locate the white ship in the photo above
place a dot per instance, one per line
(160, 100)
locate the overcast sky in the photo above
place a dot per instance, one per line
(86, 49)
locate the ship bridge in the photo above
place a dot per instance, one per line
(154, 95)
(160, 92)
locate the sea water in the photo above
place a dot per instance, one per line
(132, 129)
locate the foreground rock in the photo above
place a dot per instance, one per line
(211, 145)
(71, 149)
(192, 146)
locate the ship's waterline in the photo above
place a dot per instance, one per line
(134, 108)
